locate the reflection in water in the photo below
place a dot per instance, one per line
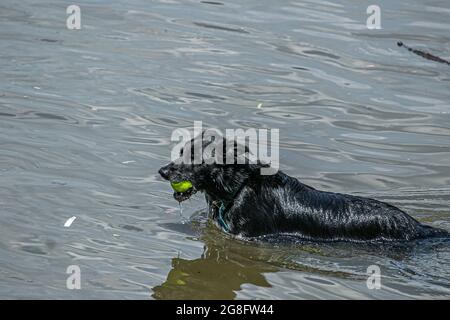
(217, 274)
(227, 264)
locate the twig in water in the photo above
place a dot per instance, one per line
(424, 54)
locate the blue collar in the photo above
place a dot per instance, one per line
(224, 206)
(222, 222)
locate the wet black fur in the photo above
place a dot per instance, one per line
(258, 205)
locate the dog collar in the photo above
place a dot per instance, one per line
(224, 206)
(222, 222)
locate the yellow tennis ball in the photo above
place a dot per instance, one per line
(182, 186)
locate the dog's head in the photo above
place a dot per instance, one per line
(211, 164)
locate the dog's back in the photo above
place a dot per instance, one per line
(321, 215)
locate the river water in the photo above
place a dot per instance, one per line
(86, 118)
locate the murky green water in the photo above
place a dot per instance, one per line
(86, 118)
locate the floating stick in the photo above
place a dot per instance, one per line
(423, 54)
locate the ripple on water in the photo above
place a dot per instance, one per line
(86, 119)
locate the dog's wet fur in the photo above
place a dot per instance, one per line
(243, 202)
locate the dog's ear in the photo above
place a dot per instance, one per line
(212, 141)
(220, 151)
(194, 150)
(236, 153)
(216, 148)
(255, 168)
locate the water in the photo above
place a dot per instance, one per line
(86, 118)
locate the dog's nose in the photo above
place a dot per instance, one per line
(164, 171)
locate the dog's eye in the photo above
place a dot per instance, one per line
(181, 152)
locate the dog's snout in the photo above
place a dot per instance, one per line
(164, 171)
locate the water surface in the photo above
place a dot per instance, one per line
(86, 118)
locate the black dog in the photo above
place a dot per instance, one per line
(243, 202)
